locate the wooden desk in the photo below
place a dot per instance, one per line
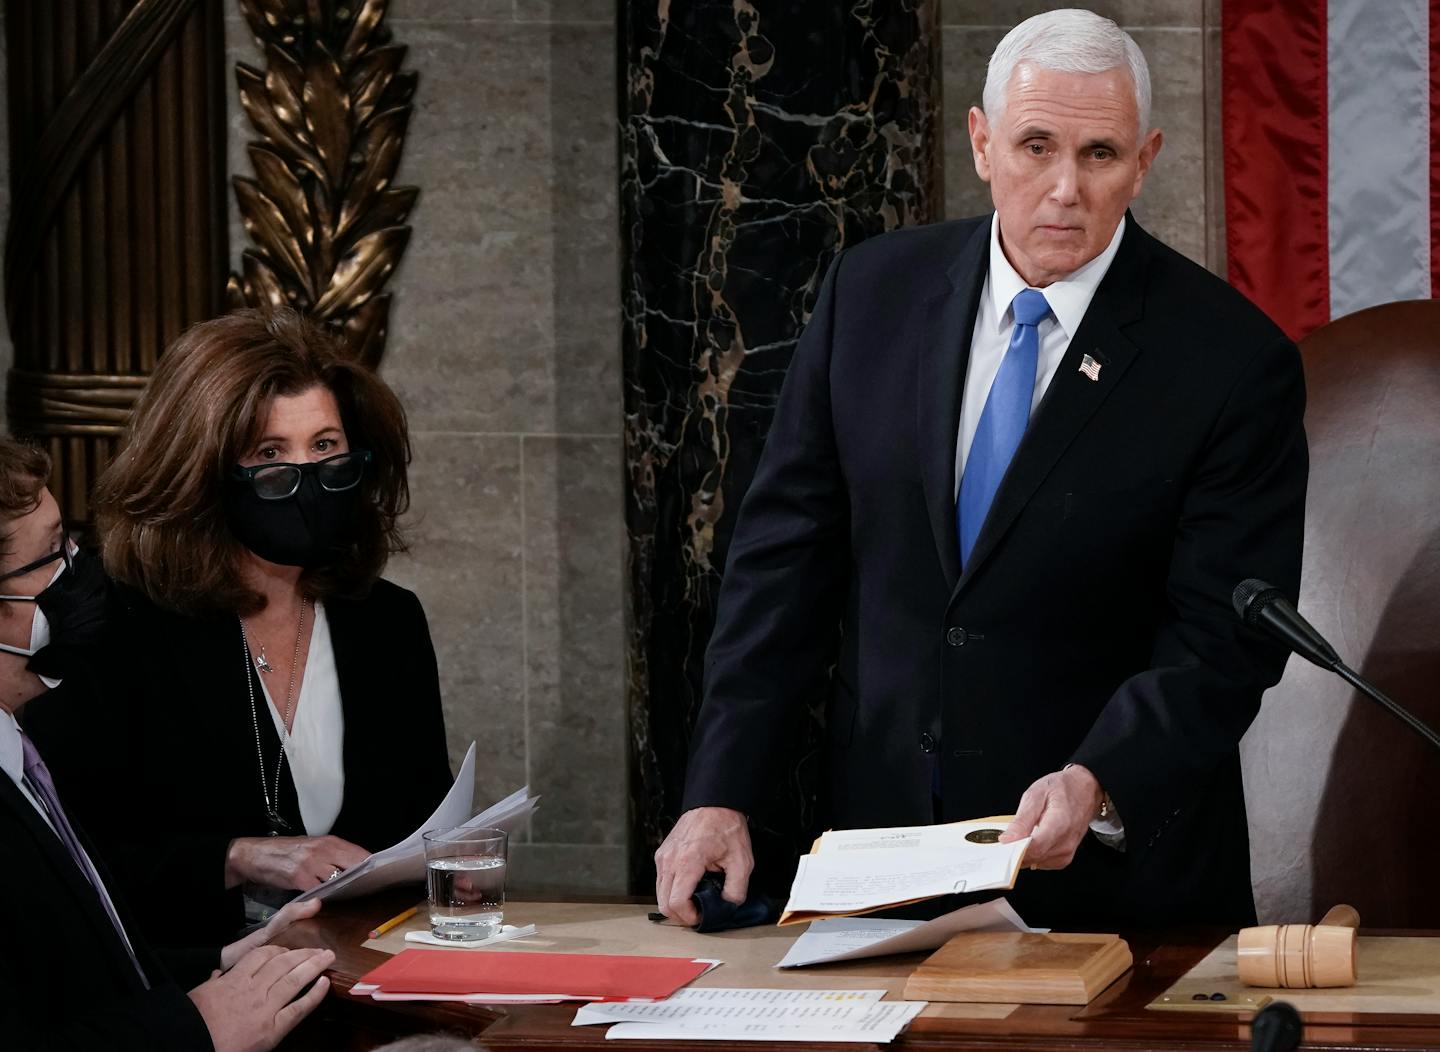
(1117, 1019)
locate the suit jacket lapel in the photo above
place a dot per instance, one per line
(61, 863)
(1072, 398)
(947, 320)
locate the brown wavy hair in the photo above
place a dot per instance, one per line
(159, 506)
(24, 473)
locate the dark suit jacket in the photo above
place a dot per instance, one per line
(157, 749)
(1093, 622)
(66, 981)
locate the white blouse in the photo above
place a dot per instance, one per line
(315, 752)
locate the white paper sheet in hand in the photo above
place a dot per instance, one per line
(846, 882)
(944, 837)
(405, 862)
(852, 938)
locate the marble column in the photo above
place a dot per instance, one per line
(758, 140)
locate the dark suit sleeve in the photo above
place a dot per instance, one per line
(778, 615)
(101, 763)
(162, 1019)
(189, 966)
(1164, 733)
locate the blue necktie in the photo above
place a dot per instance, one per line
(1003, 420)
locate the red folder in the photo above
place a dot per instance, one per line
(579, 975)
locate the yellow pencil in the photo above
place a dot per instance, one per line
(399, 918)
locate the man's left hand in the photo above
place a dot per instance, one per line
(1055, 812)
(286, 916)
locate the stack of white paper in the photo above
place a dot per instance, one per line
(861, 870)
(851, 938)
(405, 862)
(757, 1015)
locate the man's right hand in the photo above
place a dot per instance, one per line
(705, 839)
(253, 1005)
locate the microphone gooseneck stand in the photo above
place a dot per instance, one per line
(1261, 606)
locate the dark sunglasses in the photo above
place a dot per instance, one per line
(44, 560)
(278, 481)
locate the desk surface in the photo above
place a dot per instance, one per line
(1118, 1018)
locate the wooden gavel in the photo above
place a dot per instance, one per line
(1300, 956)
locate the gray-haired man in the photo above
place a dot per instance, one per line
(1087, 441)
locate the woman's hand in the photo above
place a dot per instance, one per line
(293, 862)
(288, 915)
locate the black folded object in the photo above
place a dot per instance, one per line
(717, 914)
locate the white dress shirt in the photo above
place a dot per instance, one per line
(12, 762)
(315, 751)
(1069, 299)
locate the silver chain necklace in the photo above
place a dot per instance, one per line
(278, 825)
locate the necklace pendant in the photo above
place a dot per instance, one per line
(278, 825)
(261, 663)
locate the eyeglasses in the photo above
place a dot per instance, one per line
(65, 551)
(278, 481)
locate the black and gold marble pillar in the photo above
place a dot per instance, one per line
(758, 139)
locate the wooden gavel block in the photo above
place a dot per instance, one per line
(1300, 956)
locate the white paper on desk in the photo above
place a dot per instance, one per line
(847, 882)
(710, 1001)
(852, 938)
(872, 1022)
(405, 862)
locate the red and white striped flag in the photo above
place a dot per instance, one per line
(1331, 117)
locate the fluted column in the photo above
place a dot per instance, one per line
(117, 235)
(757, 141)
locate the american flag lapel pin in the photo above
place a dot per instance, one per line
(1090, 368)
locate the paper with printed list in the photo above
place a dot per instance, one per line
(405, 862)
(855, 871)
(853, 938)
(717, 1014)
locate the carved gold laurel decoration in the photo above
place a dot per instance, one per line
(331, 107)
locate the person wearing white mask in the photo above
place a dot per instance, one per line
(64, 933)
(31, 683)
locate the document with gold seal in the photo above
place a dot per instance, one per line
(850, 872)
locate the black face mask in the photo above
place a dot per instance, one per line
(77, 606)
(311, 528)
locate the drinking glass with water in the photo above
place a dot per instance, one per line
(465, 876)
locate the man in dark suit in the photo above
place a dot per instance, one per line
(74, 973)
(1027, 457)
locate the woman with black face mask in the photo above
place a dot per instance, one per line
(283, 714)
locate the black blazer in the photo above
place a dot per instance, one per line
(1093, 622)
(66, 981)
(156, 747)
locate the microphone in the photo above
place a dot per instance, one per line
(1262, 606)
(1276, 1028)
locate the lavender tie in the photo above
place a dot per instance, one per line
(38, 776)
